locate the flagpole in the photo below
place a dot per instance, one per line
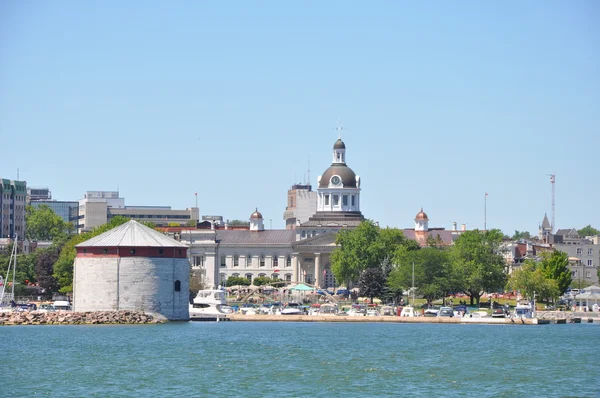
(485, 212)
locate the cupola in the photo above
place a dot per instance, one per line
(256, 221)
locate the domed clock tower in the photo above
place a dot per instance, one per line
(338, 187)
(338, 198)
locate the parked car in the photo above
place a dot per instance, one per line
(446, 312)
(498, 313)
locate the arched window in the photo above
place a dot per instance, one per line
(248, 260)
(275, 277)
(235, 275)
(288, 261)
(262, 275)
(275, 261)
(223, 261)
(223, 278)
(178, 285)
(288, 277)
(236, 260)
(262, 260)
(249, 277)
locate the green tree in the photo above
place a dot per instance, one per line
(63, 268)
(588, 231)
(371, 283)
(44, 268)
(357, 250)
(478, 262)
(261, 281)
(434, 276)
(555, 266)
(43, 224)
(530, 280)
(521, 235)
(367, 246)
(237, 280)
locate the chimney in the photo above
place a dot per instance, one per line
(463, 227)
(454, 225)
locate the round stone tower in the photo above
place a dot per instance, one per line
(132, 267)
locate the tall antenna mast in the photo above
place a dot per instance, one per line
(552, 181)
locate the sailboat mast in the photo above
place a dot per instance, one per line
(14, 265)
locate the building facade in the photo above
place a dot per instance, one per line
(34, 194)
(583, 253)
(301, 205)
(13, 197)
(98, 207)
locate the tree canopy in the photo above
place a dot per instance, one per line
(555, 266)
(521, 235)
(237, 280)
(366, 246)
(530, 279)
(478, 262)
(261, 281)
(43, 224)
(433, 275)
(588, 231)
(371, 283)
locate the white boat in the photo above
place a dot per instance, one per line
(409, 311)
(387, 310)
(523, 310)
(292, 309)
(356, 312)
(328, 309)
(372, 311)
(210, 304)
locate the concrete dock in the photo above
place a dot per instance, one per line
(385, 319)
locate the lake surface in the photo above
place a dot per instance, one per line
(301, 359)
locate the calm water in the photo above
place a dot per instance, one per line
(301, 359)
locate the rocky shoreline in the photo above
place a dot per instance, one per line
(77, 318)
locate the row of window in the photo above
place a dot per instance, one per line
(236, 261)
(336, 200)
(17, 197)
(249, 276)
(590, 251)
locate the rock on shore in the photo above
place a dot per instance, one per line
(77, 318)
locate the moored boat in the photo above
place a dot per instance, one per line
(210, 303)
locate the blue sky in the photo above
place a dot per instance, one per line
(440, 103)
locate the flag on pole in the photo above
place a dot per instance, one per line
(197, 194)
(486, 194)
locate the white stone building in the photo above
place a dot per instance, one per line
(132, 267)
(295, 255)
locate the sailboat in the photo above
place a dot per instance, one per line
(7, 298)
(409, 310)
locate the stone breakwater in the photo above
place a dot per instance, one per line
(77, 318)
